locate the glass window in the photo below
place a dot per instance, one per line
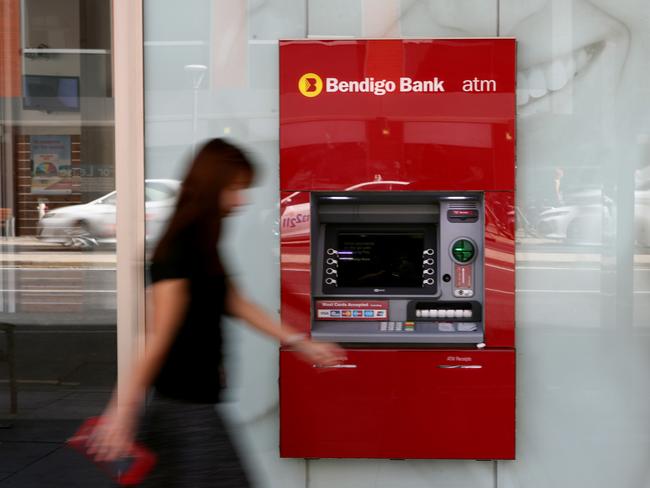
(155, 191)
(57, 255)
(583, 211)
(110, 199)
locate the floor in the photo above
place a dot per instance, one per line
(33, 454)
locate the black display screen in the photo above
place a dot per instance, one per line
(51, 93)
(380, 259)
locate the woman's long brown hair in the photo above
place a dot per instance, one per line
(217, 165)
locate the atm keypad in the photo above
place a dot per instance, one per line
(391, 326)
(467, 327)
(396, 326)
(457, 327)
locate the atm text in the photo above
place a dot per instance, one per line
(380, 87)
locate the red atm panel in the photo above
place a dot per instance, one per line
(295, 260)
(400, 404)
(447, 140)
(376, 180)
(500, 268)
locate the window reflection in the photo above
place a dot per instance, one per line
(57, 225)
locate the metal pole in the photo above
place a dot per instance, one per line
(198, 72)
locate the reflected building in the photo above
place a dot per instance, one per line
(57, 301)
(58, 144)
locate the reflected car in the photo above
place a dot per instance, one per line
(92, 224)
(592, 216)
(295, 219)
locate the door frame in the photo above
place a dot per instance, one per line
(128, 86)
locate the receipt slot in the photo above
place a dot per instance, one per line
(397, 242)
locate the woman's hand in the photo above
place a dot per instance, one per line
(113, 436)
(320, 353)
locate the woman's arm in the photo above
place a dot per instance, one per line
(321, 353)
(115, 433)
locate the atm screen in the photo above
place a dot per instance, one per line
(381, 259)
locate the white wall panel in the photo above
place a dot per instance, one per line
(583, 307)
(583, 271)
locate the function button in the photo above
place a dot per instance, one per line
(467, 314)
(391, 326)
(434, 313)
(418, 313)
(383, 326)
(425, 313)
(446, 327)
(467, 327)
(458, 314)
(398, 326)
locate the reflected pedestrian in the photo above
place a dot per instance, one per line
(191, 292)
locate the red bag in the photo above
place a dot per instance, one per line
(127, 471)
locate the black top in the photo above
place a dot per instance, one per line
(192, 368)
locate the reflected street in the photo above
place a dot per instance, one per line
(59, 306)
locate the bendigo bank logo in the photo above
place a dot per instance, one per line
(310, 85)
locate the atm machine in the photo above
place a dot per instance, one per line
(397, 242)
